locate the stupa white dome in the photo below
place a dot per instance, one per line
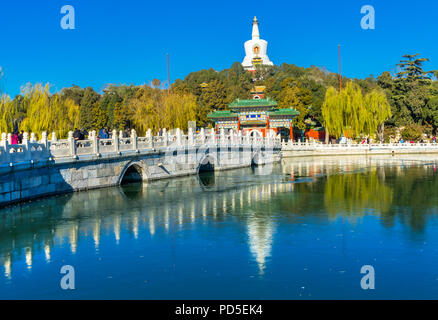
(256, 50)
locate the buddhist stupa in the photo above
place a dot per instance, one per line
(255, 50)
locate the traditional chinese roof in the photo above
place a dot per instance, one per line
(253, 103)
(222, 114)
(284, 112)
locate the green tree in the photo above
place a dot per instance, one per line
(293, 95)
(88, 108)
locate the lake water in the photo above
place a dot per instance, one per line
(303, 231)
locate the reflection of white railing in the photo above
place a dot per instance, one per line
(32, 150)
(320, 147)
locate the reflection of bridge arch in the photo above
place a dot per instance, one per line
(133, 171)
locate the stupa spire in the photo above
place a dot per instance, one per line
(255, 50)
(255, 29)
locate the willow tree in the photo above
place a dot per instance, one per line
(6, 114)
(46, 112)
(351, 114)
(332, 114)
(379, 110)
(179, 110)
(155, 109)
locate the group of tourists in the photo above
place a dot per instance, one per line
(104, 133)
(421, 141)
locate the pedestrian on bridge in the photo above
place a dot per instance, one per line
(14, 138)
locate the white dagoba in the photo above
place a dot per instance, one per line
(255, 50)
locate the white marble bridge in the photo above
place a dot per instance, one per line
(45, 167)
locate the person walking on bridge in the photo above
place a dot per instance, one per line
(103, 133)
(20, 137)
(14, 138)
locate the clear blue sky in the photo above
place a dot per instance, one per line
(127, 41)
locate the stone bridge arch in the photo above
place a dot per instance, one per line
(207, 163)
(133, 171)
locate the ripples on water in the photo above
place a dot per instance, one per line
(302, 231)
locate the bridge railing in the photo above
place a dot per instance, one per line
(31, 150)
(314, 146)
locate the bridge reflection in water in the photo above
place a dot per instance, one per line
(322, 188)
(162, 204)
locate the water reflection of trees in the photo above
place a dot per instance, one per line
(352, 194)
(397, 189)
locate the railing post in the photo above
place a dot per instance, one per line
(49, 145)
(72, 144)
(5, 145)
(9, 138)
(25, 144)
(202, 133)
(178, 137)
(213, 136)
(33, 137)
(165, 137)
(95, 142)
(135, 141)
(45, 143)
(268, 139)
(150, 138)
(247, 138)
(115, 142)
(222, 136)
(190, 137)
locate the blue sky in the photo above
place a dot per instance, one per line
(127, 41)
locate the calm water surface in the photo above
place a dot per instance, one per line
(302, 232)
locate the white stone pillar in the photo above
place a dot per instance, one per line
(190, 137)
(178, 137)
(202, 133)
(94, 141)
(149, 138)
(54, 137)
(213, 135)
(248, 138)
(25, 145)
(33, 137)
(72, 144)
(135, 141)
(222, 136)
(165, 137)
(44, 140)
(5, 144)
(115, 142)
